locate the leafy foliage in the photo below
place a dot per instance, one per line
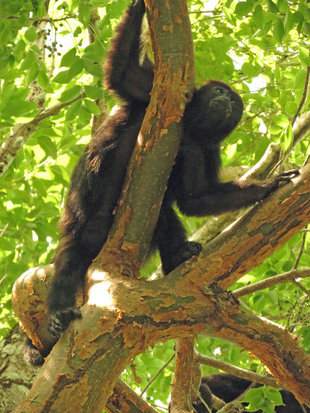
(51, 56)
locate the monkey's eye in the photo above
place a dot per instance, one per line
(219, 90)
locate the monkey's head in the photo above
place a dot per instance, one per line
(215, 109)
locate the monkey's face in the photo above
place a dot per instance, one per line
(220, 102)
(218, 109)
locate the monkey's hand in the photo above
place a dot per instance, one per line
(60, 319)
(287, 176)
(282, 178)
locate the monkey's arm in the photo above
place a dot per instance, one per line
(123, 73)
(204, 195)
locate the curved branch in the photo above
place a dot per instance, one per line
(237, 371)
(289, 276)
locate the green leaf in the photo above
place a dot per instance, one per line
(259, 16)
(286, 138)
(84, 116)
(41, 10)
(94, 51)
(275, 130)
(306, 28)
(68, 58)
(250, 70)
(243, 8)
(43, 79)
(73, 110)
(84, 12)
(281, 120)
(98, 3)
(92, 107)
(94, 68)
(77, 67)
(93, 92)
(58, 173)
(291, 108)
(48, 146)
(14, 7)
(300, 79)
(66, 75)
(31, 34)
(70, 94)
(279, 30)
(32, 73)
(19, 108)
(63, 77)
(272, 7)
(288, 22)
(304, 55)
(29, 60)
(19, 50)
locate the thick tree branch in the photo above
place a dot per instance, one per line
(159, 138)
(17, 377)
(132, 314)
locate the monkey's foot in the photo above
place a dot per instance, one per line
(32, 355)
(60, 319)
(189, 249)
(185, 252)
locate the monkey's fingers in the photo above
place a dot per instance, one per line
(287, 176)
(291, 173)
(59, 320)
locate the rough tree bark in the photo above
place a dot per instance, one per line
(17, 377)
(131, 315)
(157, 144)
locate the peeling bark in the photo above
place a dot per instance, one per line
(131, 315)
(181, 389)
(159, 137)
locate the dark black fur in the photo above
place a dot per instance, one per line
(227, 387)
(97, 180)
(31, 354)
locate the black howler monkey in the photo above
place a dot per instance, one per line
(228, 387)
(211, 115)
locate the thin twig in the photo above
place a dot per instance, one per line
(260, 285)
(301, 250)
(156, 375)
(49, 20)
(304, 95)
